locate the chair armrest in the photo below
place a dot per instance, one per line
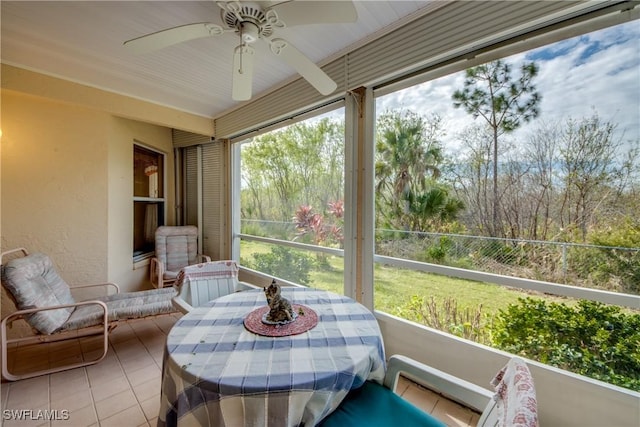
(181, 305)
(156, 273)
(454, 388)
(19, 313)
(10, 251)
(56, 307)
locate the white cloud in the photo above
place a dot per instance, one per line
(600, 71)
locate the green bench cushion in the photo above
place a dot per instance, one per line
(375, 405)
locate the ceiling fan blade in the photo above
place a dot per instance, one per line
(171, 36)
(294, 13)
(303, 65)
(242, 73)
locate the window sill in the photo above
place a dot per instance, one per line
(142, 260)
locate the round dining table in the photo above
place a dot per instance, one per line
(226, 365)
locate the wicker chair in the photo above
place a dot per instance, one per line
(44, 300)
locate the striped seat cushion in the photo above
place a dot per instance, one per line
(122, 306)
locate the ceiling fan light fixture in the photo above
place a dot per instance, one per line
(249, 32)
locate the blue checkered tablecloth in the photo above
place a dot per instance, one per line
(217, 373)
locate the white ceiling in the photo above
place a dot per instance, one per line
(83, 42)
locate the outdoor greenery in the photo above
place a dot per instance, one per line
(284, 263)
(409, 157)
(558, 204)
(301, 165)
(504, 103)
(589, 338)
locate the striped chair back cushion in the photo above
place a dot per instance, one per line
(177, 247)
(34, 283)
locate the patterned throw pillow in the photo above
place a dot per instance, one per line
(515, 395)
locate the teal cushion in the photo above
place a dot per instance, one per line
(375, 405)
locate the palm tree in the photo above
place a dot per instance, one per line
(408, 156)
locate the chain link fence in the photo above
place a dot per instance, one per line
(609, 268)
(599, 267)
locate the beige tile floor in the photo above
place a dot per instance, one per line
(124, 389)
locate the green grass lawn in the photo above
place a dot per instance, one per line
(395, 287)
(464, 308)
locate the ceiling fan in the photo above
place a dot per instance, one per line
(254, 21)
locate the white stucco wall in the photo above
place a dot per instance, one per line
(54, 186)
(67, 185)
(54, 183)
(67, 188)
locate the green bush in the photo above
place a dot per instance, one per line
(589, 263)
(590, 338)
(439, 249)
(284, 263)
(621, 262)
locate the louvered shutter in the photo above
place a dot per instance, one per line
(190, 155)
(213, 199)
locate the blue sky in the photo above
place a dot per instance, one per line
(599, 71)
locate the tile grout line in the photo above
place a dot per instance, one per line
(128, 382)
(131, 386)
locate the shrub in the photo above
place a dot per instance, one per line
(589, 263)
(590, 338)
(621, 262)
(439, 249)
(284, 263)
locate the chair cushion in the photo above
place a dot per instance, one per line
(126, 305)
(375, 405)
(34, 283)
(170, 275)
(516, 403)
(177, 252)
(177, 246)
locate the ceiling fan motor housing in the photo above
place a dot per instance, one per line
(249, 19)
